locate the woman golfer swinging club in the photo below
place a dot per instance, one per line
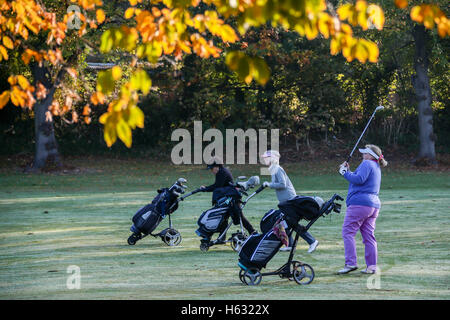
(363, 206)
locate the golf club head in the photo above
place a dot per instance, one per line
(181, 182)
(176, 193)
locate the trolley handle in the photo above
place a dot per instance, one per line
(331, 205)
(261, 188)
(190, 194)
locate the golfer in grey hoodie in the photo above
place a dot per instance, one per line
(284, 191)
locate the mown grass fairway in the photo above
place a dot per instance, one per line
(49, 222)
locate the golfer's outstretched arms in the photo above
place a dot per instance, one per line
(223, 178)
(278, 180)
(360, 175)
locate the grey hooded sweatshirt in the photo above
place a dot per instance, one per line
(281, 183)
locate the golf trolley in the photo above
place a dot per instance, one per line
(216, 218)
(253, 260)
(148, 218)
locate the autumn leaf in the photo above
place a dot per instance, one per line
(105, 82)
(260, 70)
(98, 98)
(376, 16)
(7, 42)
(401, 3)
(4, 98)
(18, 96)
(141, 81)
(361, 14)
(248, 68)
(124, 132)
(23, 82)
(3, 53)
(41, 91)
(72, 72)
(116, 72)
(110, 135)
(129, 13)
(87, 120)
(100, 15)
(86, 110)
(136, 117)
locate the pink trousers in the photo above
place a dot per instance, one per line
(360, 218)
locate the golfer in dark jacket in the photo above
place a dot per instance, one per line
(223, 179)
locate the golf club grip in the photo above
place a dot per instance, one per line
(190, 194)
(260, 189)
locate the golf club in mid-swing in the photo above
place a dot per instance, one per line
(367, 125)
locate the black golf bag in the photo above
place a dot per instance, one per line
(146, 219)
(269, 219)
(299, 208)
(259, 249)
(215, 220)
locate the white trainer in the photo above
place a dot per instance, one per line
(369, 271)
(285, 249)
(347, 269)
(313, 246)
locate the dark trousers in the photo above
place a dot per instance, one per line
(245, 223)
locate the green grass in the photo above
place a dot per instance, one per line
(49, 222)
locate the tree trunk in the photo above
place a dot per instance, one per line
(46, 147)
(421, 84)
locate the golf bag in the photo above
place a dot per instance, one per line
(259, 249)
(147, 219)
(299, 208)
(214, 220)
(269, 219)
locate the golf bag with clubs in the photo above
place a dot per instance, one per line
(227, 203)
(147, 219)
(259, 249)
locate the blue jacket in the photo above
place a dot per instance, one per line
(364, 185)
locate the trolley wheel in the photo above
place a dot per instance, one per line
(285, 272)
(252, 277)
(302, 273)
(133, 239)
(171, 237)
(241, 275)
(237, 241)
(204, 246)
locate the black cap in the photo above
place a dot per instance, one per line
(212, 165)
(214, 162)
